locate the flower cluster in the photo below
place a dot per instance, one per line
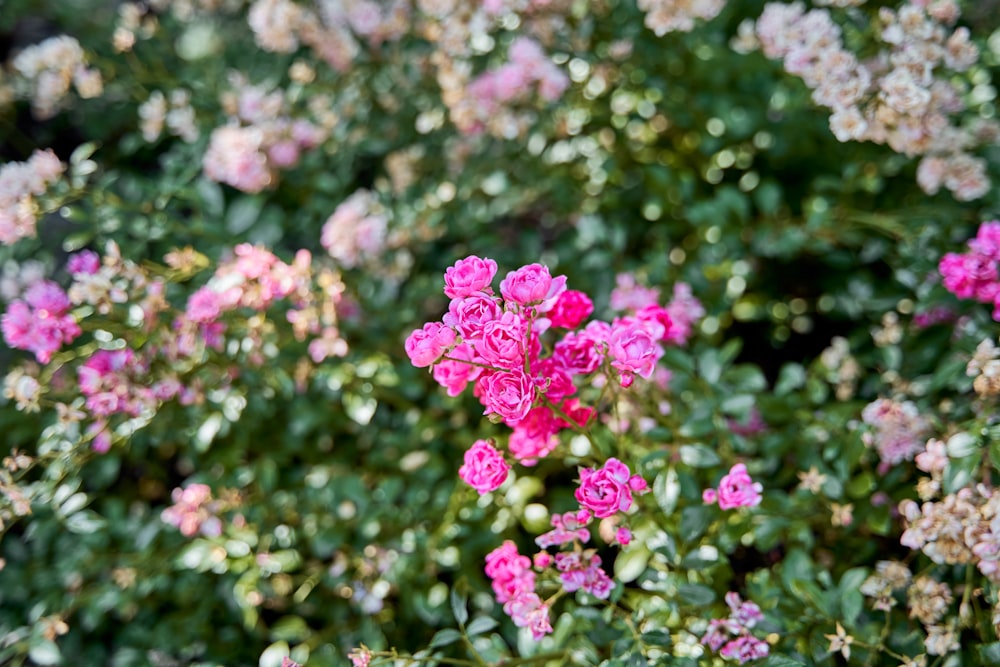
(488, 95)
(731, 636)
(495, 344)
(663, 16)
(736, 489)
(898, 431)
(261, 138)
(514, 585)
(175, 113)
(20, 184)
(973, 274)
(608, 490)
(194, 511)
(50, 68)
(355, 233)
(40, 323)
(903, 97)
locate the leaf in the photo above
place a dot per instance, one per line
(791, 377)
(778, 660)
(445, 637)
(458, 605)
(696, 594)
(44, 652)
(710, 366)
(694, 521)
(699, 456)
(666, 490)
(630, 564)
(242, 214)
(990, 653)
(480, 625)
(85, 522)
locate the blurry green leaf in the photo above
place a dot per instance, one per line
(694, 521)
(631, 563)
(44, 652)
(85, 522)
(273, 655)
(710, 366)
(242, 214)
(480, 625)
(290, 628)
(699, 456)
(666, 490)
(459, 604)
(778, 660)
(790, 378)
(698, 595)
(445, 637)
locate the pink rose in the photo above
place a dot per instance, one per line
(425, 346)
(633, 351)
(572, 307)
(508, 394)
(468, 315)
(468, 276)
(606, 491)
(581, 352)
(736, 489)
(503, 341)
(484, 469)
(455, 375)
(532, 285)
(534, 436)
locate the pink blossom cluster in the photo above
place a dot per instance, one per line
(731, 636)
(678, 317)
(333, 29)
(260, 138)
(484, 468)
(130, 383)
(355, 233)
(607, 490)
(736, 489)
(663, 16)
(898, 431)
(527, 72)
(20, 184)
(973, 274)
(194, 511)
(494, 343)
(581, 570)
(514, 585)
(41, 322)
(567, 528)
(904, 96)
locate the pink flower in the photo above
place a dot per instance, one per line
(534, 437)
(745, 649)
(425, 346)
(484, 469)
(532, 285)
(633, 351)
(469, 276)
(623, 536)
(193, 511)
(736, 489)
(745, 613)
(86, 262)
(503, 341)
(455, 375)
(607, 490)
(684, 310)
(528, 611)
(41, 322)
(987, 241)
(969, 276)
(580, 352)
(510, 572)
(468, 315)
(571, 309)
(508, 394)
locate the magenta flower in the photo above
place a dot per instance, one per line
(607, 490)
(425, 346)
(469, 276)
(736, 489)
(509, 571)
(572, 307)
(633, 352)
(470, 314)
(455, 375)
(86, 262)
(503, 341)
(745, 649)
(534, 437)
(484, 469)
(532, 285)
(41, 323)
(508, 394)
(528, 611)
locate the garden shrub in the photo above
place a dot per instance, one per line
(275, 390)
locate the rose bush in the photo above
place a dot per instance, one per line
(737, 403)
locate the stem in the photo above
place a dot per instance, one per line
(476, 363)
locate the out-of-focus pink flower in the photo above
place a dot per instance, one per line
(425, 346)
(607, 490)
(484, 468)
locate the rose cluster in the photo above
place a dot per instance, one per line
(973, 274)
(732, 634)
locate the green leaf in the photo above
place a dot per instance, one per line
(710, 366)
(631, 563)
(990, 653)
(699, 595)
(666, 490)
(85, 522)
(290, 628)
(44, 652)
(458, 605)
(445, 637)
(778, 660)
(791, 377)
(242, 214)
(480, 625)
(699, 456)
(694, 521)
